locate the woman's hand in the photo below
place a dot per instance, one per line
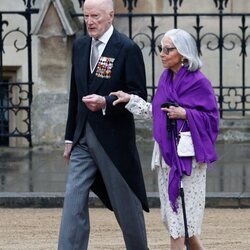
(122, 97)
(175, 112)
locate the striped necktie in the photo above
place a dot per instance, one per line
(94, 54)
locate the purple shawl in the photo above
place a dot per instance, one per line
(193, 92)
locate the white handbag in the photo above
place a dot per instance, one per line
(185, 147)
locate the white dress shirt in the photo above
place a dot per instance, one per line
(104, 39)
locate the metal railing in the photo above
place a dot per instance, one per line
(16, 97)
(228, 34)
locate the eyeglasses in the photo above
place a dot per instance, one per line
(166, 50)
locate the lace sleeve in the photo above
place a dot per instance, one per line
(139, 108)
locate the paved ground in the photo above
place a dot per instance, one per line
(37, 229)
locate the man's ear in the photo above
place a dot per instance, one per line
(111, 14)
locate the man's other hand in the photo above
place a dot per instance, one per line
(67, 151)
(94, 102)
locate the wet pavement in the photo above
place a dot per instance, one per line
(42, 172)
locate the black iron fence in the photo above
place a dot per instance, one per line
(222, 39)
(232, 96)
(16, 96)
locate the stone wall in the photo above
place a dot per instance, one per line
(51, 89)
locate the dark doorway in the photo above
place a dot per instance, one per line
(4, 115)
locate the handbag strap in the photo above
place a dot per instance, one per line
(182, 126)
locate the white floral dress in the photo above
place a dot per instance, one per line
(194, 186)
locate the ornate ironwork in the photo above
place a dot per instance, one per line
(16, 97)
(130, 4)
(232, 97)
(243, 29)
(80, 3)
(175, 3)
(17, 30)
(219, 4)
(150, 41)
(4, 22)
(15, 107)
(198, 29)
(29, 3)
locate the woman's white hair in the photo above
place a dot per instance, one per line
(186, 46)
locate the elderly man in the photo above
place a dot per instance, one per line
(100, 142)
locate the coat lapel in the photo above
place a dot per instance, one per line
(82, 62)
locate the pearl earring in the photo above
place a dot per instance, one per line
(182, 61)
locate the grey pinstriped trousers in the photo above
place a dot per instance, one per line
(86, 158)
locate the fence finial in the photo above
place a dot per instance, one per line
(130, 4)
(220, 4)
(28, 3)
(80, 3)
(175, 2)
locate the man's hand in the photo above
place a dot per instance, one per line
(94, 102)
(67, 151)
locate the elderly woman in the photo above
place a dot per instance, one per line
(194, 109)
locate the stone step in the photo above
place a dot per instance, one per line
(55, 200)
(231, 130)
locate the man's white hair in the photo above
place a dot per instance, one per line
(108, 4)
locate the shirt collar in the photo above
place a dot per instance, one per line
(106, 36)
